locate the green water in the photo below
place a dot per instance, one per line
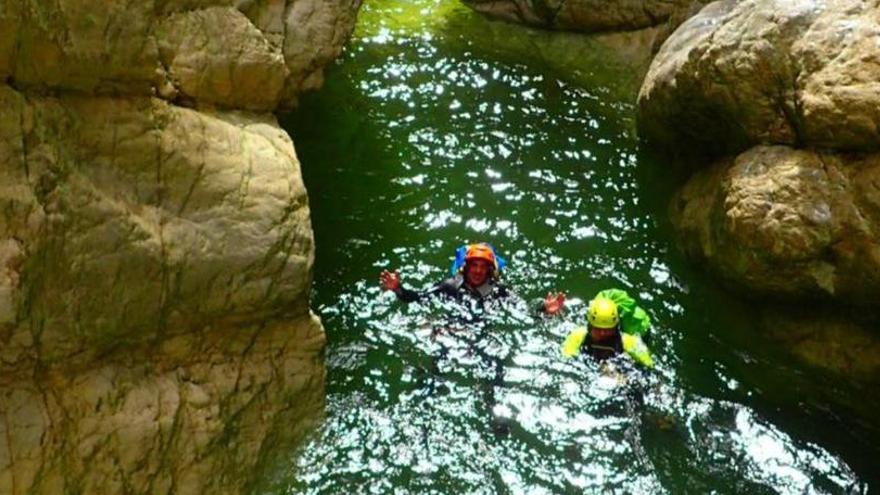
(437, 127)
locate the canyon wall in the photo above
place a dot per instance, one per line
(774, 106)
(156, 249)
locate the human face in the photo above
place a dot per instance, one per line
(477, 272)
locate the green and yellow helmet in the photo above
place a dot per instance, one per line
(602, 313)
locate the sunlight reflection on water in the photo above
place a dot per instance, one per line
(425, 398)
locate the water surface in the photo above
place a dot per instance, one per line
(438, 127)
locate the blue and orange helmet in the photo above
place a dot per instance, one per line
(478, 251)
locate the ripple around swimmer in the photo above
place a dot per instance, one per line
(438, 127)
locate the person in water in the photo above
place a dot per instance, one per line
(475, 274)
(475, 279)
(614, 326)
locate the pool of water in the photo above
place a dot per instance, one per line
(438, 127)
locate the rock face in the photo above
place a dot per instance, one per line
(800, 73)
(584, 15)
(155, 243)
(826, 341)
(784, 222)
(781, 98)
(784, 219)
(244, 54)
(202, 416)
(134, 219)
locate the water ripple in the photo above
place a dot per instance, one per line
(439, 145)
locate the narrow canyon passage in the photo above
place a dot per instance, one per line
(438, 127)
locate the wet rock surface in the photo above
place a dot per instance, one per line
(201, 415)
(743, 73)
(775, 103)
(795, 220)
(787, 223)
(245, 55)
(584, 15)
(134, 219)
(844, 345)
(156, 249)
(632, 30)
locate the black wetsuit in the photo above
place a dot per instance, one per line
(603, 350)
(474, 301)
(455, 288)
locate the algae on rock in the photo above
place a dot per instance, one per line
(776, 104)
(583, 15)
(156, 249)
(754, 72)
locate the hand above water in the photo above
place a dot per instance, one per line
(389, 280)
(554, 303)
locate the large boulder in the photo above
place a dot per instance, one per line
(207, 414)
(156, 249)
(777, 102)
(154, 274)
(787, 223)
(800, 73)
(238, 54)
(584, 15)
(778, 220)
(129, 220)
(314, 33)
(829, 341)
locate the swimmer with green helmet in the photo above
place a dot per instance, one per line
(615, 326)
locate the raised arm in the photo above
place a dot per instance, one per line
(390, 281)
(552, 304)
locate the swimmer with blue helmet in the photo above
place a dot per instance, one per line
(476, 272)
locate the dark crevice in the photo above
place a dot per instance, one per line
(24, 143)
(164, 304)
(166, 444)
(791, 105)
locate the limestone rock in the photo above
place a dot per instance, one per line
(156, 249)
(207, 415)
(583, 15)
(86, 45)
(235, 54)
(839, 82)
(767, 72)
(681, 13)
(234, 65)
(315, 33)
(823, 339)
(787, 223)
(205, 211)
